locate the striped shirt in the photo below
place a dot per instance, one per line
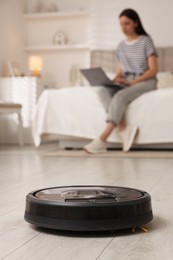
(133, 57)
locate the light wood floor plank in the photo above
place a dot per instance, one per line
(14, 232)
(26, 169)
(158, 243)
(54, 245)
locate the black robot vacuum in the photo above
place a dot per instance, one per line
(88, 208)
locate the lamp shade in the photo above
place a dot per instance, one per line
(35, 65)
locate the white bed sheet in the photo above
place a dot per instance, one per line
(81, 112)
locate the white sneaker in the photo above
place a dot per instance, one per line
(128, 135)
(96, 146)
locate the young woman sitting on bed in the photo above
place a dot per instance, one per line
(137, 68)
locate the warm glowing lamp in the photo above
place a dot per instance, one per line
(35, 65)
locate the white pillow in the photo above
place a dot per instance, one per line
(165, 79)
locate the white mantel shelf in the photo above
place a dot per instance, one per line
(81, 14)
(77, 47)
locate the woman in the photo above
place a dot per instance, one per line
(137, 69)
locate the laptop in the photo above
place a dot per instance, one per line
(97, 77)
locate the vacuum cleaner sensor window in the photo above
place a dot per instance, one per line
(88, 208)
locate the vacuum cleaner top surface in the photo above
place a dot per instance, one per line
(88, 208)
(89, 194)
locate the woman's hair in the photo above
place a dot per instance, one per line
(133, 15)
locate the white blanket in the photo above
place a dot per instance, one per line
(81, 112)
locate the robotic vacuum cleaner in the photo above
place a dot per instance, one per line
(88, 208)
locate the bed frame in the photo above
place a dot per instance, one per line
(106, 60)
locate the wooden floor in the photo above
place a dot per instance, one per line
(25, 169)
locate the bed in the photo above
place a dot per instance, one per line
(73, 116)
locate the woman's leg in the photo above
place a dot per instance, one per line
(108, 130)
(123, 98)
(99, 145)
(110, 127)
(116, 112)
(118, 107)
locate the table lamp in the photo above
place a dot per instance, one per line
(35, 65)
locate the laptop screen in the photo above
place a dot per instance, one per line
(96, 77)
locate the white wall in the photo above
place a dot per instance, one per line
(11, 49)
(11, 31)
(156, 16)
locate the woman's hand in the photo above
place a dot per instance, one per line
(125, 82)
(151, 72)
